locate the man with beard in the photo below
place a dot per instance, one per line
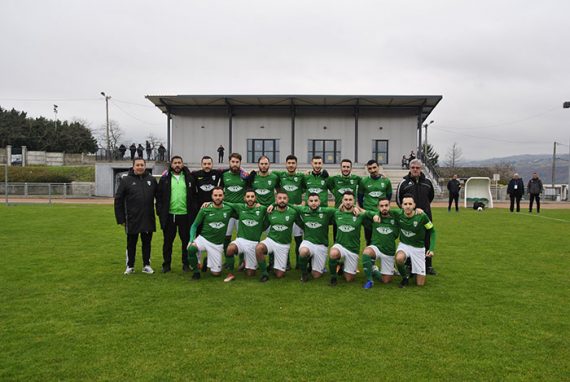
(175, 209)
(252, 221)
(293, 183)
(214, 220)
(206, 179)
(414, 227)
(278, 240)
(339, 184)
(347, 243)
(316, 181)
(421, 188)
(370, 190)
(134, 209)
(234, 184)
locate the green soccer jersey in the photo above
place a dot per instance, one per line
(214, 223)
(294, 185)
(264, 187)
(316, 223)
(318, 185)
(339, 184)
(374, 190)
(252, 220)
(348, 230)
(413, 230)
(281, 224)
(234, 187)
(385, 233)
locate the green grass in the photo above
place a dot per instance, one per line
(51, 174)
(498, 310)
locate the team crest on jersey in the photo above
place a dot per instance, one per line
(213, 177)
(148, 182)
(415, 224)
(376, 194)
(314, 190)
(290, 187)
(391, 221)
(279, 227)
(384, 230)
(407, 233)
(206, 187)
(225, 215)
(352, 181)
(346, 228)
(217, 225)
(295, 179)
(235, 188)
(257, 213)
(313, 225)
(249, 222)
(320, 216)
(286, 218)
(354, 218)
(322, 182)
(262, 191)
(269, 182)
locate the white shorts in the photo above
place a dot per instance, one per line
(214, 252)
(233, 223)
(386, 262)
(297, 231)
(418, 256)
(247, 247)
(318, 255)
(280, 252)
(350, 259)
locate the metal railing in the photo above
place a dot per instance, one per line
(115, 155)
(47, 191)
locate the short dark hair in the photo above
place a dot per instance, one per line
(317, 157)
(281, 191)
(249, 190)
(409, 196)
(205, 157)
(313, 194)
(346, 160)
(235, 155)
(263, 157)
(136, 159)
(382, 199)
(371, 162)
(348, 193)
(291, 157)
(176, 157)
(217, 188)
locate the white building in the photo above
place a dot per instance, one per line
(336, 127)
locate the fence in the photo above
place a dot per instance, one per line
(48, 191)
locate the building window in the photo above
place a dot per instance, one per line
(259, 147)
(380, 150)
(329, 149)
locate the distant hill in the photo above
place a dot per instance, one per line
(525, 165)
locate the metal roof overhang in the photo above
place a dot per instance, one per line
(173, 104)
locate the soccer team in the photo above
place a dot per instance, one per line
(208, 206)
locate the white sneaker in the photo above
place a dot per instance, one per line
(148, 269)
(129, 270)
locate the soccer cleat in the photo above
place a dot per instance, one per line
(148, 270)
(165, 269)
(431, 271)
(230, 277)
(369, 284)
(196, 276)
(129, 271)
(334, 281)
(264, 278)
(405, 281)
(185, 268)
(304, 277)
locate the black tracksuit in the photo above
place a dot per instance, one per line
(171, 223)
(205, 183)
(134, 207)
(453, 186)
(515, 190)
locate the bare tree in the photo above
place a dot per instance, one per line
(505, 170)
(454, 156)
(115, 134)
(153, 140)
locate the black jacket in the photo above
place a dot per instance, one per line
(535, 186)
(163, 196)
(453, 186)
(134, 202)
(422, 190)
(205, 183)
(519, 191)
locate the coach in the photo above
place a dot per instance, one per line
(175, 209)
(134, 209)
(416, 184)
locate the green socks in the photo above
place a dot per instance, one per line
(367, 266)
(193, 258)
(303, 262)
(332, 267)
(298, 240)
(263, 266)
(230, 263)
(402, 269)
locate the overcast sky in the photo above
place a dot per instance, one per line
(502, 67)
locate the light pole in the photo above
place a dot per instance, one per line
(107, 98)
(55, 112)
(566, 105)
(424, 150)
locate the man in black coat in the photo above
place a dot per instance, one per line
(134, 209)
(175, 207)
(535, 188)
(416, 184)
(133, 149)
(206, 179)
(515, 190)
(453, 186)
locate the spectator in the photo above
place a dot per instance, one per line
(515, 190)
(404, 162)
(148, 150)
(133, 149)
(535, 188)
(221, 154)
(411, 158)
(161, 152)
(122, 151)
(453, 186)
(140, 151)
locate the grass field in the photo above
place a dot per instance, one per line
(498, 310)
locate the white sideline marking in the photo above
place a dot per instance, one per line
(545, 217)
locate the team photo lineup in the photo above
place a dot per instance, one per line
(268, 210)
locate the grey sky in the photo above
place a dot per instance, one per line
(503, 67)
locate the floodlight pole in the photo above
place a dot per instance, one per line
(55, 121)
(107, 98)
(6, 180)
(566, 105)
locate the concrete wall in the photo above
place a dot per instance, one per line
(198, 135)
(2, 155)
(36, 158)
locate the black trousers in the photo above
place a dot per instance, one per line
(132, 238)
(452, 198)
(516, 198)
(182, 224)
(220, 158)
(534, 197)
